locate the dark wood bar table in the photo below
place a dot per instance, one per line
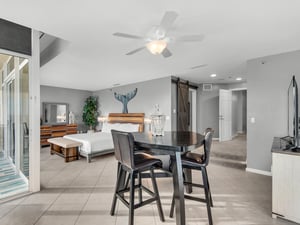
(173, 143)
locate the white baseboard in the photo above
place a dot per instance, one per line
(215, 139)
(262, 172)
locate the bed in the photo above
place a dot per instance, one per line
(99, 143)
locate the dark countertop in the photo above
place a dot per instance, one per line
(173, 141)
(281, 145)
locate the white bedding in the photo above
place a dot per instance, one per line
(93, 142)
(100, 141)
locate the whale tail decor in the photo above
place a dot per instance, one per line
(125, 99)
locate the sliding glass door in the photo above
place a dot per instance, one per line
(14, 123)
(11, 120)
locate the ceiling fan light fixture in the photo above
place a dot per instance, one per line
(156, 47)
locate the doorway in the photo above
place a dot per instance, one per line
(232, 113)
(233, 125)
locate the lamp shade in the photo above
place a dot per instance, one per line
(157, 46)
(102, 119)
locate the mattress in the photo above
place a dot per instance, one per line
(93, 142)
(101, 141)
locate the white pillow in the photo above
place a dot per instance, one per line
(127, 127)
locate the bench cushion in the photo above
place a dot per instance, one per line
(63, 142)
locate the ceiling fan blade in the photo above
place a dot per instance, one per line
(190, 38)
(166, 53)
(199, 66)
(127, 35)
(135, 51)
(168, 20)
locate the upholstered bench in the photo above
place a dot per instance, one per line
(66, 148)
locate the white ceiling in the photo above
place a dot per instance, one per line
(235, 31)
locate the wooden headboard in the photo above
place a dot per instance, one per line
(136, 118)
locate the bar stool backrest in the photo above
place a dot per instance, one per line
(207, 144)
(124, 145)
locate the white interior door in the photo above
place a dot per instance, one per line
(225, 115)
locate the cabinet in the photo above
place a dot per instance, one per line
(286, 186)
(53, 131)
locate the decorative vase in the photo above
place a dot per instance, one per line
(158, 121)
(71, 118)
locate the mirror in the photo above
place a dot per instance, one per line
(55, 113)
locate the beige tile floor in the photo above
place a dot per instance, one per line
(78, 193)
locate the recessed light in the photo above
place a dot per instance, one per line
(213, 75)
(238, 78)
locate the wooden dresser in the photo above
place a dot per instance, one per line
(53, 131)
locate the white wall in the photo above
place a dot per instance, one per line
(267, 102)
(149, 93)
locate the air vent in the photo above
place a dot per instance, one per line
(207, 87)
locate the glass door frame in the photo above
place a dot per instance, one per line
(34, 109)
(13, 77)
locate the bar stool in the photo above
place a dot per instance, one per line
(195, 161)
(133, 164)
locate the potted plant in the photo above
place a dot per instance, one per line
(90, 113)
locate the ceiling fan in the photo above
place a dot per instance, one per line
(157, 39)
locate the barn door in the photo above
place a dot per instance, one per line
(183, 107)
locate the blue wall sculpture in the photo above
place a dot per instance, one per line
(125, 99)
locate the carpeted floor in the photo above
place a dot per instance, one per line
(230, 153)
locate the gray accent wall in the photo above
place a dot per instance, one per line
(14, 37)
(268, 81)
(233, 86)
(75, 99)
(149, 93)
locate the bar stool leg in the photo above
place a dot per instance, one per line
(140, 187)
(207, 198)
(187, 176)
(158, 203)
(131, 199)
(113, 206)
(172, 207)
(210, 198)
